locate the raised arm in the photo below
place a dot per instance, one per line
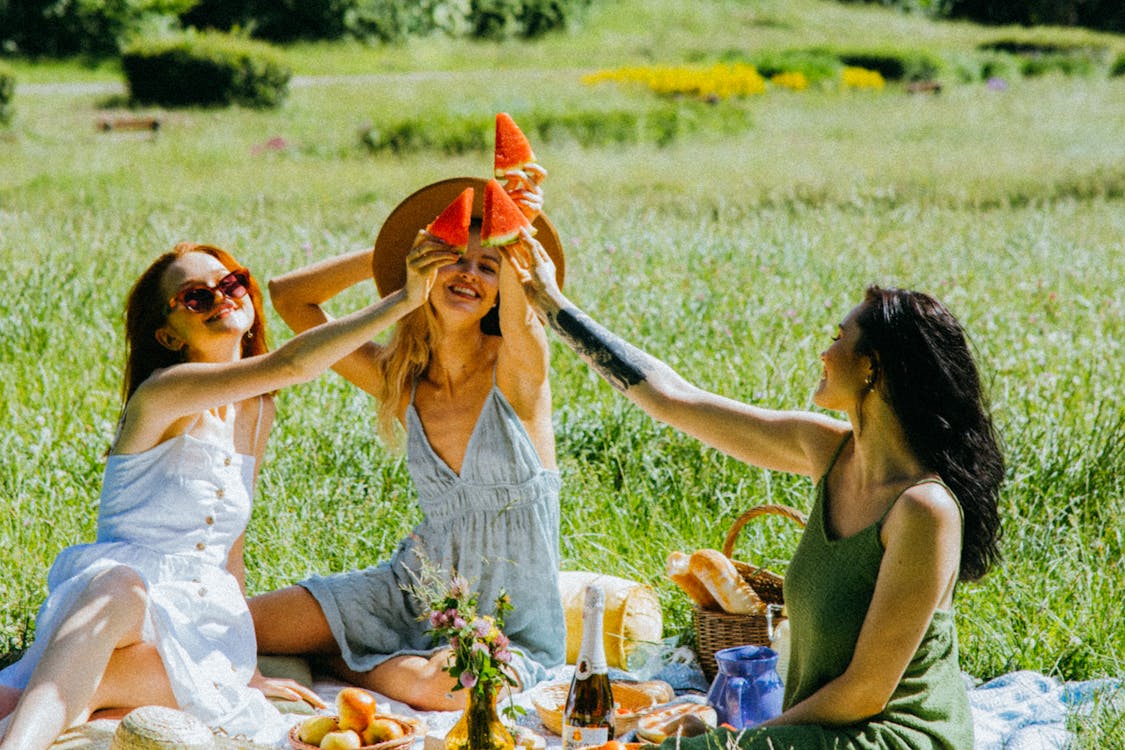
(298, 297)
(793, 441)
(192, 387)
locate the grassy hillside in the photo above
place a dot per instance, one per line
(731, 252)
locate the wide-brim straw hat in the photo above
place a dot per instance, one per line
(418, 209)
(149, 728)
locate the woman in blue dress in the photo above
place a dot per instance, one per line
(153, 611)
(476, 408)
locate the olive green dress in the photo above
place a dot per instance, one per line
(828, 589)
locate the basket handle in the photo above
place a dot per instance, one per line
(785, 511)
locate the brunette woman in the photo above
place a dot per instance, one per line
(905, 506)
(153, 611)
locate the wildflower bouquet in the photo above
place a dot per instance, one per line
(481, 651)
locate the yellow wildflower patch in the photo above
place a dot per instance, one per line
(862, 78)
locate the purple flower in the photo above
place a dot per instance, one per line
(437, 619)
(458, 621)
(481, 627)
(503, 656)
(479, 647)
(468, 680)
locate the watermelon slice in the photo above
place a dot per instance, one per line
(512, 148)
(452, 225)
(502, 219)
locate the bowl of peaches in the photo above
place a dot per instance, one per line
(357, 725)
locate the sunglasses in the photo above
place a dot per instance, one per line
(202, 298)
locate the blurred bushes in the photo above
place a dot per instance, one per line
(452, 134)
(58, 28)
(386, 20)
(1104, 15)
(7, 91)
(210, 69)
(101, 28)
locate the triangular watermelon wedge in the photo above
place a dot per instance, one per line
(513, 150)
(452, 225)
(502, 219)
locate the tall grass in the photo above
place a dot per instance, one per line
(731, 255)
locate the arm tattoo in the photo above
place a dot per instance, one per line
(620, 363)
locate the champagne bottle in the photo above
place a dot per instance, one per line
(589, 711)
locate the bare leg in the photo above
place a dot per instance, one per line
(108, 615)
(289, 621)
(418, 681)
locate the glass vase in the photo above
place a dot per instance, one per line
(480, 727)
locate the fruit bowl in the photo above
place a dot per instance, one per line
(409, 726)
(630, 701)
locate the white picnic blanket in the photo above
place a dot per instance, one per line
(1028, 710)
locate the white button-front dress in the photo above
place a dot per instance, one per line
(172, 513)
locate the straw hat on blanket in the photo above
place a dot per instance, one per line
(149, 728)
(418, 209)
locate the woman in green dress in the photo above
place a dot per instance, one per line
(905, 506)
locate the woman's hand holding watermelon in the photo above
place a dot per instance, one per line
(533, 266)
(522, 186)
(422, 262)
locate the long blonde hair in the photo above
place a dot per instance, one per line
(402, 361)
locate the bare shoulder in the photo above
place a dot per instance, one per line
(925, 506)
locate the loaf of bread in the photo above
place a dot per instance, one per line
(679, 571)
(718, 574)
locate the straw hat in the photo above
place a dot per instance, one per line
(420, 208)
(149, 728)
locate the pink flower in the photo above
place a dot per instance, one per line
(467, 679)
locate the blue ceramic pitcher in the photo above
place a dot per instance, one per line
(747, 690)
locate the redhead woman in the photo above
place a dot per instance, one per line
(904, 507)
(153, 611)
(466, 377)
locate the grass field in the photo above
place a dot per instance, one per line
(731, 254)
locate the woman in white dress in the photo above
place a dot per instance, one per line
(153, 612)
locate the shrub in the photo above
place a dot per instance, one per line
(93, 27)
(7, 91)
(815, 65)
(457, 135)
(386, 20)
(894, 64)
(211, 69)
(1118, 67)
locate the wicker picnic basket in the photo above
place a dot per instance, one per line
(715, 631)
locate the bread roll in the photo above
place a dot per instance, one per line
(718, 574)
(678, 570)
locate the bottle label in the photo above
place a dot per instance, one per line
(579, 737)
(587, 668)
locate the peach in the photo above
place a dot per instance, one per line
(382, 729)
(344, 739)
(356, 707)
(313, 730)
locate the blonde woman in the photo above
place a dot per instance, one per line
(466, 377)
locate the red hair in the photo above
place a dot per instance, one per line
(146, 311)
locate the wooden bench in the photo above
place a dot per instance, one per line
(923, 87)
(129, 123)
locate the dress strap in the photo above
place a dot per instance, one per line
(927, 480)
(258, 423)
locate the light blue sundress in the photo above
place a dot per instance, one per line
(496, 524)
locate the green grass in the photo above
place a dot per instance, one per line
(731, 254)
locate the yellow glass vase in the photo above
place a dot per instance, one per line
(480, 727)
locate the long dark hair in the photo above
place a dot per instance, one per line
(926, 372)
(146, 309)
